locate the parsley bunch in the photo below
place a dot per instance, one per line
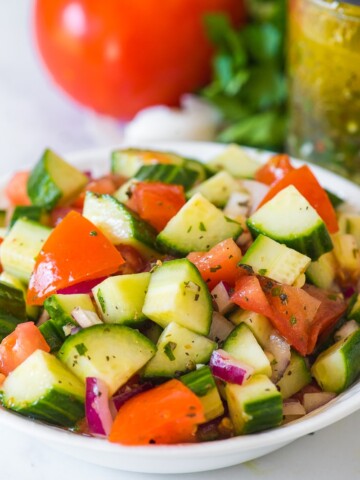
(249, 81)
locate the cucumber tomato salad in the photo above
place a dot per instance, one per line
(172, 301)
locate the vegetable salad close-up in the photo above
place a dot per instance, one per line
(172, 301)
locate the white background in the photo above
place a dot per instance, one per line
(34, 115)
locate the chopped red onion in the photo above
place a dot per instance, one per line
(346, 330)
(89, 174)
(312, 401)
(129, 391)
(280, 349)
(60, 212)
(221, 296)
(85, 318)
(82, 287)
(97, 408)
(75, 330)
(221, 328)
(257, 191)
(293, 408)
(238, 204)
(44, 317)
(227, 368)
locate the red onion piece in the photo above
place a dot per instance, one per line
(85, 318)
(129, 391)
(89, 174)
(82, 287)
(346, 330)
(227, 368)
(312, 401)
(97, 408)
(60, 212)
(280, 349)
(221, 297)
(221, 328)
(44, 317)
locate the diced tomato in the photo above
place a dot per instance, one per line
(293, 312)
(19, 345)
(75, 251)
(104, 185)
(274, 169)
(166, 414)
(306, 183)
(16, 189)
(250, 296)
(218, 264)
(157, 202)
(59, 213)
(331, 309)
(134, 262)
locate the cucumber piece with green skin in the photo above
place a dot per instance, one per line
(346, 252)
(197, 227)
(354, 308)
(151, 330)
(59, 307)
(128, 161)
(334, 199)
(21, 246)
(31, 212)
(53, 334)
(242, 345)
(296, 376)
(113, 353)
(171, 174)
(350, 223)
(120, 298)
(12, 301)
(177, 293)
(32, 312)
(119, 224)
(3, 218)
(54, 182)
(338, 367)
(235, 161)
(217, 189)
(322, 273)
(178, 350)
(258, 324)
(42, 387)
(8, 324)
(202, 383)
(255, 405)
(290, 219)
(275, 260)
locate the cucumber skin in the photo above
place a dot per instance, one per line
(310, 245)
(53, 334)
(270, 408)
(41, 181)
(69, 409)
(8, 324)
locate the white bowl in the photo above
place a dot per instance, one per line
(202, 456)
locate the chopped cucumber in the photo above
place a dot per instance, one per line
(32, 312)
(276, 261)
(53, 334)
(296, 376)
(198, 226)
(255, 405)
(338, 367)
(350, 223)
(346, 252)
(202, 383)
(42, 387)
(177, 293)
(322, 273)
(54, 182)
(113, 353)
(119, 224)
(128, 161)
(59, 307)
(173, 174)
(178, 350)
(21, 247)
(258, 324)
(354, 308)
(242, 345)
(235, 161)
(12, 308)
(120, 299)
(290, 219)
(31, 212)
(217, 189)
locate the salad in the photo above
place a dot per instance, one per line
(172, 301)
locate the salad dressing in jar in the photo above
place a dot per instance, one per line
(324, 70)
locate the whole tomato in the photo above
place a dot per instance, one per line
(119, 56)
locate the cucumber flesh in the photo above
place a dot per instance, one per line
(59, 307)
(236, 162)
(296, 376)
(217, 189)
(290, 219)
(113, 353)
(42, 387)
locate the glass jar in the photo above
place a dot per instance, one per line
(324, 72)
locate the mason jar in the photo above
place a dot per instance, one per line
(324, 86)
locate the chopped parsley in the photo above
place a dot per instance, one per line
(81, 349)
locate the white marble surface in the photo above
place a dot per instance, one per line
(34, 115)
